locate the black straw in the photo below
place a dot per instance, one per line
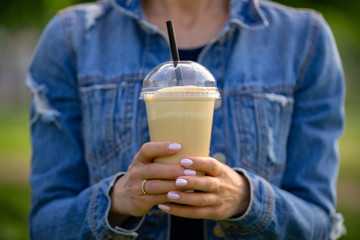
(174, 50)
(172, 40)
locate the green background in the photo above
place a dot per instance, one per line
(342, 16)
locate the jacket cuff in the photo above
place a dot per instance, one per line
(259, 212)
(99, 209)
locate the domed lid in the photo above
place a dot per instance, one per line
(191, 75)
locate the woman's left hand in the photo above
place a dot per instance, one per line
(220, 194)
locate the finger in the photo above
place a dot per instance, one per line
(200, 183)
(152, 200)
(132, 201)
(208, 165)
(153, 187)
(190, 211)
(151, 150)
(197, 199)
(161, 171)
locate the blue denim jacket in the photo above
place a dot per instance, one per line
(278, 123)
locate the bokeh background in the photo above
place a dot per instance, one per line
(21, 23)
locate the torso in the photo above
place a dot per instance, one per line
(251, 124)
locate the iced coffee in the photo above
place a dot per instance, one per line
(180, 105)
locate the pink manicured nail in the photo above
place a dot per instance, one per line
(181, 182)
(186, 162)
(164, 207)
(189, 172)
(174, 146)
(173, 195)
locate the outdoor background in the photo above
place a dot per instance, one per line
(21, 22)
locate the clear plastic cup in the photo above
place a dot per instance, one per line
(179, 98)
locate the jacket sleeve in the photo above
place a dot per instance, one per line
(63, 205)
(303, 207)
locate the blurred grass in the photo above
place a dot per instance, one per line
(14, 146)
(15, 160)
(14, 205)
(14, 125)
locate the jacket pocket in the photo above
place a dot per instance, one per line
(108, 113)
(262, 121)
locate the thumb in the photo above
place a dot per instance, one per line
(151, 150)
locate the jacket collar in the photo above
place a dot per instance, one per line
(247, 14)
(244, 13)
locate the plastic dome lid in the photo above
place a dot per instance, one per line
(186, 73)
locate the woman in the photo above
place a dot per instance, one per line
(273, 162)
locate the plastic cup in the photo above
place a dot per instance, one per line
(180, 106)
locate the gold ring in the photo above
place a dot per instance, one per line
(143, 187)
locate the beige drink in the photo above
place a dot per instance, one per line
(179, 99)
(182, 114)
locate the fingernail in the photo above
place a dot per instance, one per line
(174, 146)
(173, 195)
(186, 162)
(189, 172)
(164, 207)
(181, 182)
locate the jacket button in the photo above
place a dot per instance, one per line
(218, 104)
(220, 157)
(218, 231)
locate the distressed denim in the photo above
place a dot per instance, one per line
(278, 121)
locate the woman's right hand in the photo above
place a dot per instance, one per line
(127, 198)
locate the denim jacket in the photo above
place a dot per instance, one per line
(278, 121)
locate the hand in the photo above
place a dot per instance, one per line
(127, 198)
(220, 194)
